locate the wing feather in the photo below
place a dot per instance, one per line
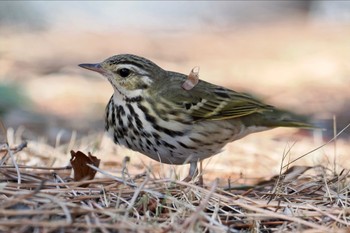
(207, 101)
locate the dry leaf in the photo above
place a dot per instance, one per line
(150, 204)
(3, 140)
(192, 79)
(293, 173)
(79, 163)
(3, 134)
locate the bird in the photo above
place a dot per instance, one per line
(151, 112)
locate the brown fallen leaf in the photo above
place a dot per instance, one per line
(150, 204)
(192, 79)
(289, 175)
(3, 140)
(79, 163)
(3, 134)
(294, 172)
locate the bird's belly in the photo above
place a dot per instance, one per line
(199, 140)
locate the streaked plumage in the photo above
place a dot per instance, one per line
(151, 113)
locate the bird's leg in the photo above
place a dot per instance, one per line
(200, 178)
(193, 172)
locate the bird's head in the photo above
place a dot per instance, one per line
(128, 74)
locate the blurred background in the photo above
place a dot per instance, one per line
(293, 54)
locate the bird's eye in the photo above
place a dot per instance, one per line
(124, 72)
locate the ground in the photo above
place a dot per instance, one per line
(294, 65)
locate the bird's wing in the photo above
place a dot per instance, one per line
(206, 101)
(225, 104)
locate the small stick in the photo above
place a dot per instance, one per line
(20, 147)
(192, 79)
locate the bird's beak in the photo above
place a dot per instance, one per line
(94, 67)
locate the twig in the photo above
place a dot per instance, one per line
(40, 168)
(317, 148)
(111, 176)
(14, 163)
(329, 215)
(199, 210)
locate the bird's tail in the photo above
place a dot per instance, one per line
(283, 118)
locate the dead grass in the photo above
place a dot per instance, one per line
(127, 198)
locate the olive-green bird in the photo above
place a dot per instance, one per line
(150, 112)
